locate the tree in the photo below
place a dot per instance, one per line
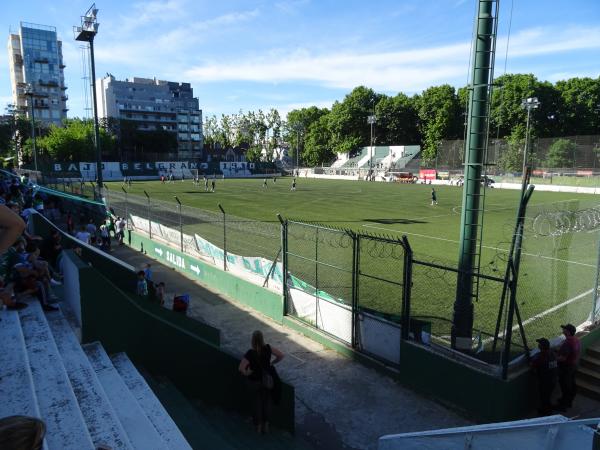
(317, 144)
(560, 154)
(506, 109)
(439, 116)
(74, 141)
(581, 99)
(348, 120)
(210, 131)
(297, 125)
(511, 160)
(397, 121)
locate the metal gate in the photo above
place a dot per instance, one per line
(320, 282)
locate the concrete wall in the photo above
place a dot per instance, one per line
(262, 300)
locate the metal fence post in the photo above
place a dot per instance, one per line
(224, 238)
(180, 224)
(149, 218)
(407, 281)
(284, 262)
(126, 205)
(355, 279)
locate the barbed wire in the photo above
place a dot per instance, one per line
(556, 223)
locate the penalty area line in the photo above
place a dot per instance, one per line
(544, 313)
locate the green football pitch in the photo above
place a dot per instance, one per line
(557, 268)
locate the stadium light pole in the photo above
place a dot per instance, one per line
(371, 121)
(29, 92)
(528, 104)
(86, 33)
(299, 128)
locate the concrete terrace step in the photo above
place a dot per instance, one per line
(16, 383)
(146, 398)
(138, 427)
(588, 389)
(589, 375)
(65, 426)
(590, 362)
(102, 422)
(594, 351)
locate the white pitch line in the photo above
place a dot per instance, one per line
(484, 246)
(544, 313)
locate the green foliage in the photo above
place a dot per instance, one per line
(254, 153)
(438, 112)
(511, 160)
(317, 147)
(73, 141)
(560, 154)
(397, 120)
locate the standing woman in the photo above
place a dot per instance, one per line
(256, 365)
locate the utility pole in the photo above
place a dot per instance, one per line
(529, 104)
(29, 92)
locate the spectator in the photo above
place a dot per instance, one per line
(545, 366)
(121, 230)
(148, 271)
(83, 235)
(70, 223)
(51, 248)
(160, 293)
(91, 228)
(21, 433)
(567, 357)
(105, 237)
(257, 366)
(142, 285)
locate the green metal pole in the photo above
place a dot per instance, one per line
(475, 147)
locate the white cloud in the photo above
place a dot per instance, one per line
(408, 71)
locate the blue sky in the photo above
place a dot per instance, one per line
(293, 53)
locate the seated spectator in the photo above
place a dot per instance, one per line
(21, 433)
(148, 271)
(70, 223)
(83, 235)
(51, 248)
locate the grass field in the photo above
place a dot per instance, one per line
(557, 271)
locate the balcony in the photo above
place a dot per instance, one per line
(18, 59)
(63, 87)
(64, 97)
(52, 83)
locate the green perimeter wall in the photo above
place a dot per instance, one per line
(256, 297)
(162, 341)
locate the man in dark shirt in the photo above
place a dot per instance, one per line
(545, 366)
(567, 357)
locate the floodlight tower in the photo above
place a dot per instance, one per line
(371, 121)
(528, 104)
(86, 33)
(30, 93)
(480, 91)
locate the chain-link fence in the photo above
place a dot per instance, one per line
(583, 152)
(234, 243)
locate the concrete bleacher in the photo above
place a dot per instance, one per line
(386, 156)
(82, 398)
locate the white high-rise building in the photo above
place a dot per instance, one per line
(36, 73)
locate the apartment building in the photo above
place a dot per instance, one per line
(37, 73)
(152, 104)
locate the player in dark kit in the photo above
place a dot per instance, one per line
(433, 197)
(293, 185)
(265, 183)
(205, 183)
(212, 184)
